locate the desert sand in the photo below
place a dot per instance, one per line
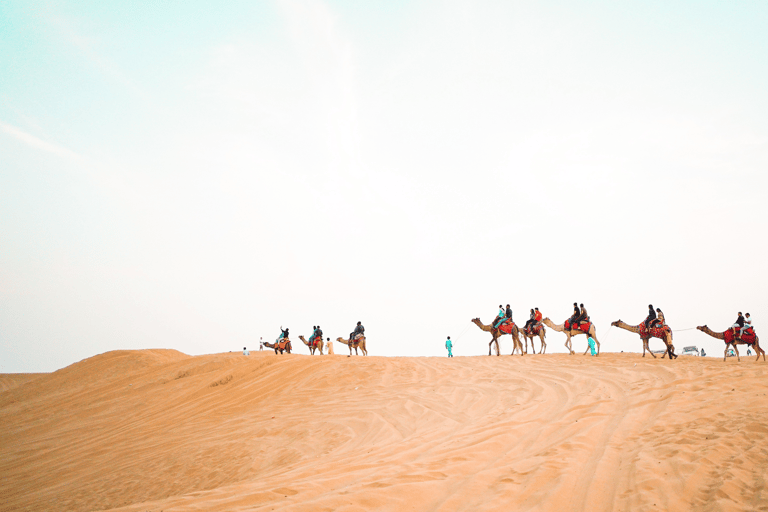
(159, 430)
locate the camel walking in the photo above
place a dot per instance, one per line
(573, 332)
(663, 333)
(541, 335)
(498, 332)
(354, 343)
(730, 339)
(317, 345)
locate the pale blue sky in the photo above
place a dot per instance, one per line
(191, 178)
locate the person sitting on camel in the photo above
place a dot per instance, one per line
(537, 319)
(359, 330)
(659, 322)
(583, 316)
(499, 318)
(531, 320)
(316, 336)
(739, 324)
(283, 334)
(650, 318)
(747, 325)
(576, 314)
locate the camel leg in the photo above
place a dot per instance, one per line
(725, 354)
(543, 345)
(646, 342)
(736, 348)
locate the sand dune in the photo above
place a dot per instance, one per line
(159, 430)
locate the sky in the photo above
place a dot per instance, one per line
(191, 177)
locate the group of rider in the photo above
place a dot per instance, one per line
(317, 334)
(654, 318)
(506, 315)
(579, 316)
(742, 324)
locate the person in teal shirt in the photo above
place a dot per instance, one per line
(591, 342)
(449, 346)
(500, 318)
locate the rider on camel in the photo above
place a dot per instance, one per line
(359, 329)
(531, 320)
(537, 318)
(283, 334)
(316, 336)
(650, 318)
(739, 324)
(576, 314)
(499, 318)
(583, 316)
(659, 322)
(508, 313)
(747, 325)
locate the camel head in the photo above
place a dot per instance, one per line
(341, 340)
(616, 323)
(476, 321)
(703, 328)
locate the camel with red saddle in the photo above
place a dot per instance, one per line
(664, 333)
(317, 344)
(588, 329)
(358, 342)
(507, 327)
(284, 345)
(540, 332)
(749, 338)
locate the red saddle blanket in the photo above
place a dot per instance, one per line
(654, 332)
(281, 345)
(313, 342)
(506, 327)
(583, 327)
(535, 331)
(749, 337)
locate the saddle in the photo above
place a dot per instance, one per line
(654, 332)
(281, 345)
(507, 326)
(535, 331)
(314, 341)
(749, 337)
(581, 326)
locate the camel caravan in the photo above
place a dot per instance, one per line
(315, 342)
(654, 326)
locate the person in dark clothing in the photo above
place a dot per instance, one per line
(739, 323)
(359, 329)
(508, 313)
(651, 317)
(583, 317)
(318, 334)
(575, 315)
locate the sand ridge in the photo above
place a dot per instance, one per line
(159, 430)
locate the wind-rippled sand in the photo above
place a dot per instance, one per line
(159, 430)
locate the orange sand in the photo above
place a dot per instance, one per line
(158, 430)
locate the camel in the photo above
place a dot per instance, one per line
(542, 334)
(496, 333)
(646, 336)
(733, 342)
(318, 345)
(359, 343)
(573, 332)
(286, 347)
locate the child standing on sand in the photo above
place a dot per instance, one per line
(449, 345)
(591, 342)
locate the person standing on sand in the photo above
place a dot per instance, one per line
(330, 346)
(449, 345)
(261, 343)
(245, 352)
